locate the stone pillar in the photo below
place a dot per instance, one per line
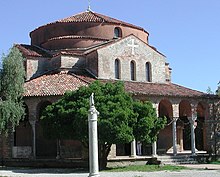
(112, 153)
(33, 126)
(93, 140)
(174, 136)
(154, 149)
(192, 127)
(133, 148)
(154, 144)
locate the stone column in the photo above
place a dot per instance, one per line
(154, 144)
(33, 126)
(93, 140)
(154, 149)
(174, 136)
(192, 127)
(133, 148)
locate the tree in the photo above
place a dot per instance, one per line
(12, 78)
(118, 120)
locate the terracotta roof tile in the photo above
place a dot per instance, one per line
(32, 51)
(158, 89)
(53, 84)
(89, 16)
(59, 83)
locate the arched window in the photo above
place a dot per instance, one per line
(117, 32)
(117, 69)
(148, 72)
(133, 70)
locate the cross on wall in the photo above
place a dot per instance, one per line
(133, 46)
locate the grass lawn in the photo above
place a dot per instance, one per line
(215, 162)
(146, 168)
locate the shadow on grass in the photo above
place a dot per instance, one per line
(146, 168)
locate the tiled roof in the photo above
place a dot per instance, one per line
(89, 16)
(54, 84)
(32, 51)
(158, 89)
(59, 83)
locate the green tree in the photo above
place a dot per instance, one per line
(218, 89)
(118, 120)
(12, 78)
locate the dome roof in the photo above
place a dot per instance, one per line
(82, 30)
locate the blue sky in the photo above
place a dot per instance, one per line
(186, 31)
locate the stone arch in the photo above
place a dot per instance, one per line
(44, 148)
(184, 137)
(165, 109)
(185, 109)
(41, 106)
(165, 136)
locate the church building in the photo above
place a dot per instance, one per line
(75, 51)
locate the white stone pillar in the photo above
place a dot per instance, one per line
(133, 148)
(154, 144)
(93, 140)
(174, 136)
(33, 126)
(154, 149)
(192, 127)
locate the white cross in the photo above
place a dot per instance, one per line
(89, 5)
(133, 46)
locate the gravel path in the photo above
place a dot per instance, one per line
(69, 173)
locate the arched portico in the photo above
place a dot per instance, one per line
(165, 136)
(184, 132)
(44, 148)
(200, 130)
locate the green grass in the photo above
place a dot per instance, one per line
(146, 168)
(215, 162)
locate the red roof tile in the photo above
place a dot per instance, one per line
(59, 83)
(158, 89)
(53, 84)
(32, 51)
(89, 16)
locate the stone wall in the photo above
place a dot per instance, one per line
(142, 53)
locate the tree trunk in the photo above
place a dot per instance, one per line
(104, 151)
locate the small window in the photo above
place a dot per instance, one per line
(117, 32)
(117, 69)
(133, 70)
(148, 72)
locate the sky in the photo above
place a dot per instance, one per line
(187, 32)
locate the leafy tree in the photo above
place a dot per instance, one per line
(120, 120)
(218, 89)
(12, 78)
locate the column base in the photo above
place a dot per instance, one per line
(94, 174)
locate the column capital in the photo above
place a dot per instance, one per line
(32, 122)
(175, 118)
(192, 119)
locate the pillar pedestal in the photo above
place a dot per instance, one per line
(93, 140)
(133, 148)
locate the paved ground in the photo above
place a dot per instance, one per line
(203, 170)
